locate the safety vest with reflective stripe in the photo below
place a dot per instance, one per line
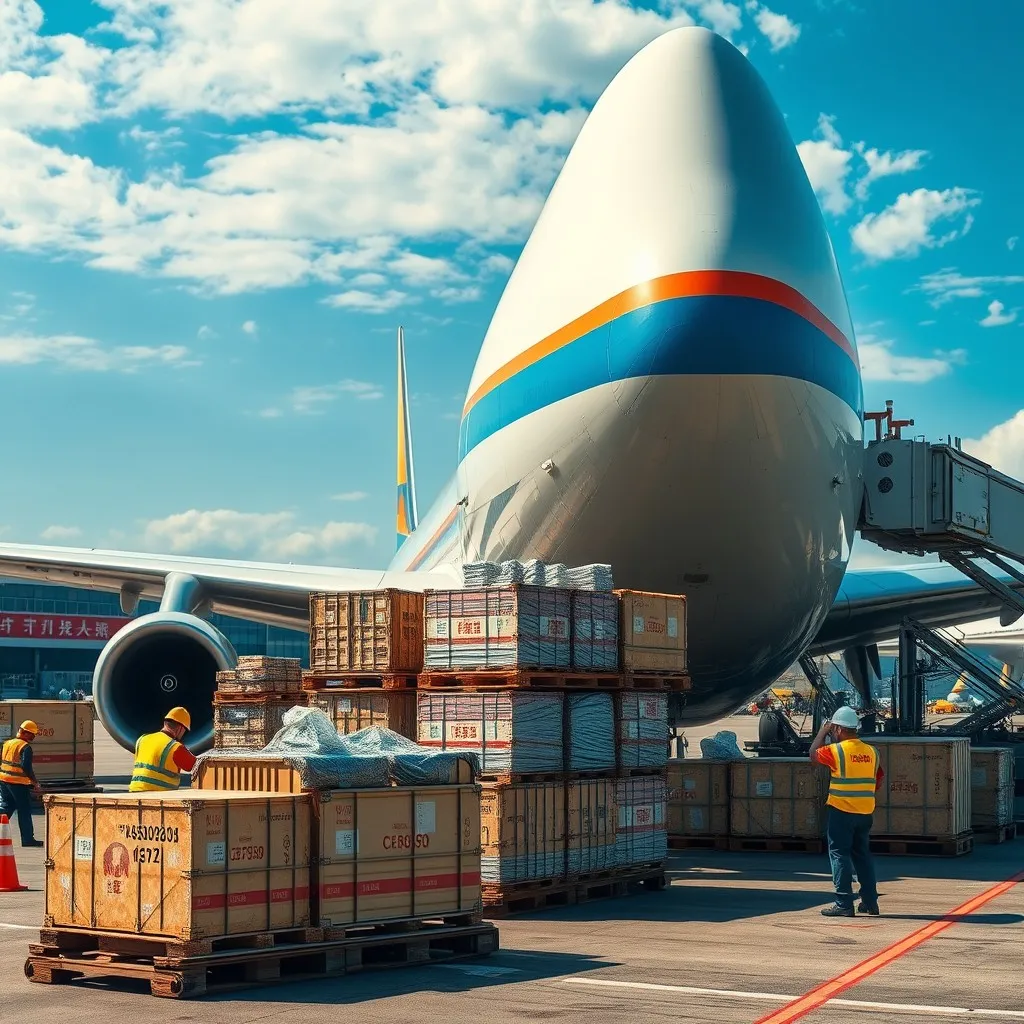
(11, 770)
(852, 787)
(154, 763)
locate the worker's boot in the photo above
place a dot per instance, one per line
(868, 908)
(837, 910)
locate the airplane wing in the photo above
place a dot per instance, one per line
(871, 603)
(267, 592)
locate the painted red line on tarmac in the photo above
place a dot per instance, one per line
(830, 989)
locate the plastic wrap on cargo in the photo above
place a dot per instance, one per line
(409, 764)
(595, 631)
(591, 720)
(641, 836)
(721, 747)
(536, 573)
(643, 729)
(509, 731)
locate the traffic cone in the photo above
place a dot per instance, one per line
(8, 865)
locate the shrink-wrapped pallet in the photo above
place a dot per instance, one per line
(778, 797)
(515, 627)
(351, 710)
(992, 788)
(926, 791)
(641, 836)
(590, 731)
(643, 729)
(63, 748)
(698, 797)
(510, 731)
(522, 828)
(595, 631)
(592, 825)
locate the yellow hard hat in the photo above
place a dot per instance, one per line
(29, 726)
(179, 715)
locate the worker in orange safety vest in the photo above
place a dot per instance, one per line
(18, 780)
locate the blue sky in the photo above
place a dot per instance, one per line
(213, 219)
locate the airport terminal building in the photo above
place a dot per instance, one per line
(51, 636)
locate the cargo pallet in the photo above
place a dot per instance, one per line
(65, 786)
(185, 977)
(775, 844)
(923, 846)
(1002, 834)
(313, 681)
(657, 681)
(706, 842)
(472, 679)
(544, 894)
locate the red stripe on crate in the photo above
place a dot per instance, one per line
(250, 898)
(390, 886)
(58, 758)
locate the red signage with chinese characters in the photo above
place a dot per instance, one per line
(37, 626)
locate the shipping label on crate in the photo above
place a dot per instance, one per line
(695, 816)
(426, 817)
(346, 842)
(641, 815)
(471, 627)
(467, 734)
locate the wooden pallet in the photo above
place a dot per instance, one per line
(65, 786)
(358, 680)
(194, 976)
(775, 844)
(676, 681)
(515, 778)
(544, 894)
(698, 842)
(518, 679)
(923, 846)
(996, 835)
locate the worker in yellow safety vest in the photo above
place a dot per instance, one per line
(161, 757)
(856, 776)
(18, 780)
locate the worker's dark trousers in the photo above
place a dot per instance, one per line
(18, 799)
(848, 850)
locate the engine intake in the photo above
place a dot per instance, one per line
(155, 663)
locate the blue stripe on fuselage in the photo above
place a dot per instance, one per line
(715, 334)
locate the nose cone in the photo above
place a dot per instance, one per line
(684, 165)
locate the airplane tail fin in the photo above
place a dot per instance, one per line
(407, 517)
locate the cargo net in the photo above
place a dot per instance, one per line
(721, 747)
(591, 721)
(643, 737)
(536, 574)
(370, 758)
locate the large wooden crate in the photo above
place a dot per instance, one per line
(63, 748)
(698, 797)
(172, 864)
(371, 631)
(258, 674)
(652, 631)
(777, 797)
(522, 831)
(249, 723)
(352, 710)
(398, 853)
(927, 787)
(497, 627)
(992, 788)
(592, 816)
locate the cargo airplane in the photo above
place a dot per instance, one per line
(669, 384)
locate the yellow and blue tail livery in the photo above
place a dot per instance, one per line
(406, 516)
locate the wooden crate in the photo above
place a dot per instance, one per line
(258, 674)
(63, 748)
(698, 797)
(522, 832)
(379, 631)
(174, 865)
(777, 797)
(992, 788)
(593, 816)
(351, 710)
(249, 723)
(652, 632)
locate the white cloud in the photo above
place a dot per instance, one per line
(1011, 242)
(905, 227)
(827, 165)
(947, 284)
(779, 30)
(71, 352)
(880, 363)
(350, 496)
(1002, 446)
(720, 16)
(884, 165)
(267, 535)
(310, 400)
(206, 333)
(997, 317)
(250, 327)
(155, 141)
(367, 302)
(60, 533)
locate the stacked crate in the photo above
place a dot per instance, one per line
(252, 699)
(992, 792)
(698, 803)
(62, 752)
(530, 679)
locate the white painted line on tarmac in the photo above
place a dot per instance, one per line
(778, 997)
(21, 927)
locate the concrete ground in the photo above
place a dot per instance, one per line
(734, 938)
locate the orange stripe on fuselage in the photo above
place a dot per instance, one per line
(692, 283)
(418, 560)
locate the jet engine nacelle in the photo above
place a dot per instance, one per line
(157, 662)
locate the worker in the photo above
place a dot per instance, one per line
(161, 757)
(18, 780)
(856, 776)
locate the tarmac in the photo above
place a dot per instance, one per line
(733, 938)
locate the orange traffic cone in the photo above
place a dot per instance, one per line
(8, 865)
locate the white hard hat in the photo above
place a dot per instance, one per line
(847, 718)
